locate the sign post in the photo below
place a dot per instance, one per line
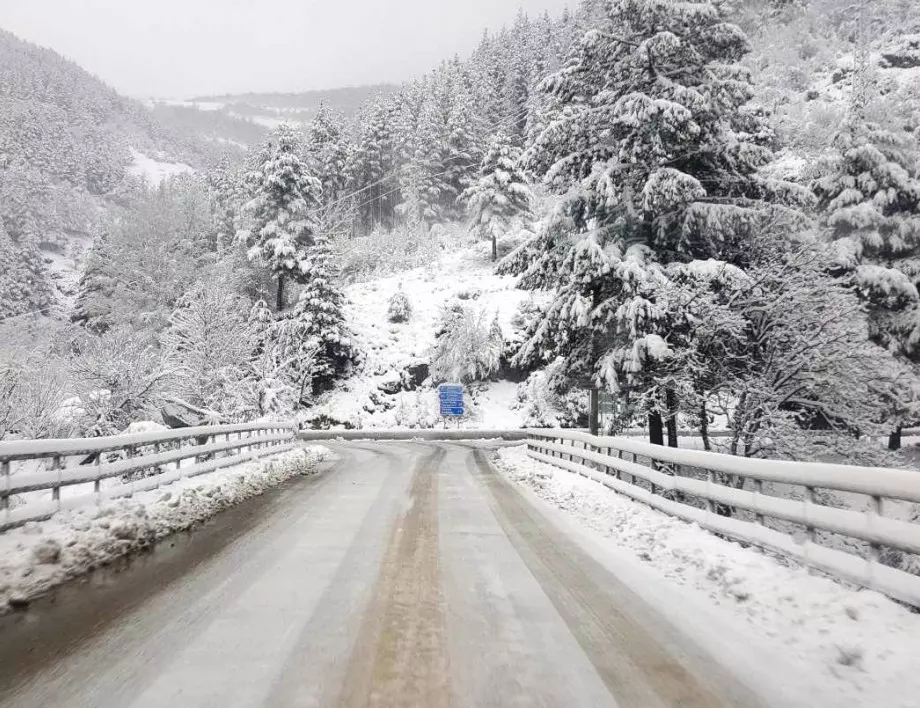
(451, 400)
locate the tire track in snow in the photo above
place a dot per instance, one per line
(400, 658)
(640, 670)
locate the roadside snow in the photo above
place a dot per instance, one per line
(39, 556)
(154, 171)
(862, 648)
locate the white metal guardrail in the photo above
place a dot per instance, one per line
(139, 462)
(673, 477)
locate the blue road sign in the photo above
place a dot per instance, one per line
(451, 398)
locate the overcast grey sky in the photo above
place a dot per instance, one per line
(180, 48)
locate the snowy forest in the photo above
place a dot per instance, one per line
(709, 210)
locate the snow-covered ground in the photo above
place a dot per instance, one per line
(155, 171)
(39, 556)
(862, 648)
(466, 275)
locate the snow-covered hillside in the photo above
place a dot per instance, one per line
(384, 394)
(155, 171)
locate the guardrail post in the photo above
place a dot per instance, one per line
(97, 483)
(7, 485)
(59, 482)
(130, 452)
(710, 480)
(758, 490)
(876, 508)
(157, 469)
(809, 500)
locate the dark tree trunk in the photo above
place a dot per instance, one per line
(704, 427)
(494, 248)
(279, 299)
(894, 440)
(594, 422)
(655, 429)
(671, 405)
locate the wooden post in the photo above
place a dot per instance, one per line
(875, 508)
(97, 483)
(758, 490)
(5, 491)
(130, 453)
(56, 490)
(810, 499)
(156, 451)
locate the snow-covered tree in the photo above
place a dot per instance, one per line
(467, 349)
(24, 286)
(399, 308)
(870, 203)
(319, 316)
(283, 210)
(208, 346)
(120, 377)
(145, 256)
(501, 193)
(33, 391)
(371, 167)
(656, 155)
(328, 149)
(227, 195)
(807, 379)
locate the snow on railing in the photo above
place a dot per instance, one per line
(134, 463)
(674, 480)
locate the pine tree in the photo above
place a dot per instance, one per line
(870, 203)
(282, 210)
(371, 167)
(225, 189)
(656, 155)
(320, 317)
(24, 286)
(328, 150)
(501, 193)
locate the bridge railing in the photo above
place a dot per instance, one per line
(74, 469)
(726, 495)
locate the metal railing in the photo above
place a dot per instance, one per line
(717, 491)
(135, 463)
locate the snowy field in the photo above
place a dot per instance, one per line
(466, 276)
(39, 556)
(862, 648)
(155, 171)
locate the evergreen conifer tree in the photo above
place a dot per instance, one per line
(282, 210)
(500, 194)
(320, 317)
(656, 155)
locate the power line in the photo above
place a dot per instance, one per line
(504, 123)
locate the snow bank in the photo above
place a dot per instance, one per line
(861, 648)
(39, 556)
(154, 171)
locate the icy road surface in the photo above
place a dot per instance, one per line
(406, 574)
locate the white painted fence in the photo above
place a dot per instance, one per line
(672, 477)
(139, 462)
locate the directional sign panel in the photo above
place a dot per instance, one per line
(451, 399)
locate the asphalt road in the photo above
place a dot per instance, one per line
(406, 574)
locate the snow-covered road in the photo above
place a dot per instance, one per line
(407, 574)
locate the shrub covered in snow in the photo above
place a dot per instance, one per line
(547, 400)
(399, 309)
(467, 347)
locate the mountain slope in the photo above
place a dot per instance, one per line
(66, 142)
